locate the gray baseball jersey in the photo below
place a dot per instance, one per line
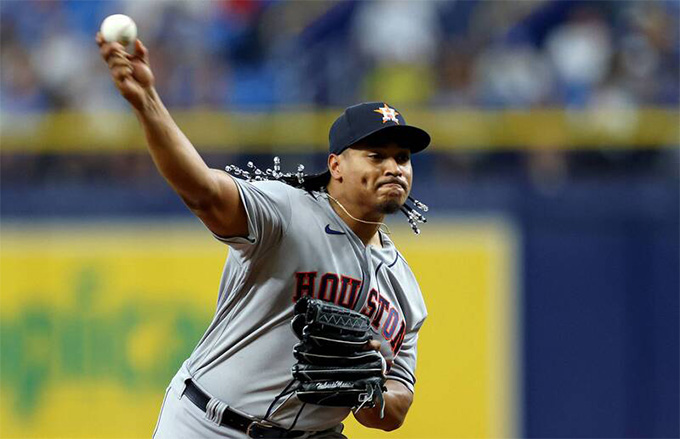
(297, 245)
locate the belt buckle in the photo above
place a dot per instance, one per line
(259, 429)
(265, 430)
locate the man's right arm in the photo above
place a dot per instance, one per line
(212, 195)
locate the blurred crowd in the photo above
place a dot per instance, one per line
(237, 55)
(240, 54)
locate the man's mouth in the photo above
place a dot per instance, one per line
(393, 183)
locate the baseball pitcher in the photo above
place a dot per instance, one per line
(318, 313)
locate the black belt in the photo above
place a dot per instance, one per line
(252, 427)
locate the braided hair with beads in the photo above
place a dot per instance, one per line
(317, 182)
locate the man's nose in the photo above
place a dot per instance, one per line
(392, 167)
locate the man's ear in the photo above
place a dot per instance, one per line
(334, 167)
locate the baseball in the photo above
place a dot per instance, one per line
(119, 28)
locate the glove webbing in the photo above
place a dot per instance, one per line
(286, 391)
(369, 398)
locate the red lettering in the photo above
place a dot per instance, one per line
(304, 285)
(398, 339)
(371, 306)
(328, 287)
(390, 324)
(349, 291)
(383, 305)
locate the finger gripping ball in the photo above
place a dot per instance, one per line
(119, 28)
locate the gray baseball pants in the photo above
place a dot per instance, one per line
(181, 419)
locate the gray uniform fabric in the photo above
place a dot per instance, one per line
(181, 419)
(297, 245)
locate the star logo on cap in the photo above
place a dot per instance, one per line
(388, 114)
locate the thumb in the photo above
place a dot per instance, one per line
(372, 345)
(141, 52)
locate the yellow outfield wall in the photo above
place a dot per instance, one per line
(299, 130)
(96, 318)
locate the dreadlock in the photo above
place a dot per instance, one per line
(317, 182)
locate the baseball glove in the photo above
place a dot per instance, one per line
(333, 368)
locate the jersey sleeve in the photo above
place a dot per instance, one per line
(410, 299)
(268, 207)
(404, 366)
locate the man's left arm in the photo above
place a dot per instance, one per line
(398, 399)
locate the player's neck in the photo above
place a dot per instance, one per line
(364, 226)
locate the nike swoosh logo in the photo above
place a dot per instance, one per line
(333, 232)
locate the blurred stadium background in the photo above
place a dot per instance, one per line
(551, 270)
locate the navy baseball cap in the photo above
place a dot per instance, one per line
(375, 123)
